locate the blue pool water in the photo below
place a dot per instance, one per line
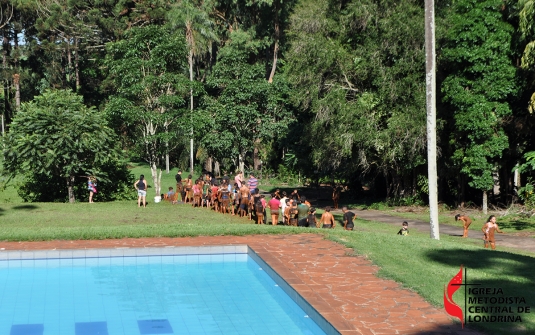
(177, 294)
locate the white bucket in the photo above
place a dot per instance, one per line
(157, 199)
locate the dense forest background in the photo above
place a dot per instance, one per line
(329, 90)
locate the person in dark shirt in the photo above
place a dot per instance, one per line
(226, 178)
(179, 186)
(404, 231)
(311, 219)
(348, 219)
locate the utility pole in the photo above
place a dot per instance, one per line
(431, 90)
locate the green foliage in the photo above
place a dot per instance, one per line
(529, 164)
(357, 71)
(423, 184)
(480, 81)
(526, 194)
(58, 137)
(243, 107)
(147, 70)
(116, 184)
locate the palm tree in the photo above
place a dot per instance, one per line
(198, 28)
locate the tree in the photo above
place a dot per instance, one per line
(147, 71)
(243, 107)
(56, 135)
(358, 73)
(480, 81)
(198, 29)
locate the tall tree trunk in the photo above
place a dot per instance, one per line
(5, 66)
(430, 79)
(276, 37)
(485, 204)
(217, 170)
(496, 178)
(70, 188)
(69, 63)
(516, 179)
(256, 156)
(166, 157)
(190, 60)
(16, 82)
(166, 125)
(241, 163)
(16, 75)
(388, 186)
(208, 164)
(77, 64)
(156, 178)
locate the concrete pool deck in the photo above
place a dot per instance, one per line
(343, 288)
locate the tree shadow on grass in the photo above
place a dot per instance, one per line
(517, 224)
(507, 264)
(2, 211)
(25, 207)
(512, 273)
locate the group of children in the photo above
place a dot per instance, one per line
(488, 229)
(245, 200)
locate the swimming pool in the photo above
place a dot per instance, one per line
(206, 290)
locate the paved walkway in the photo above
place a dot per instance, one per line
(342, 287)
(502, 240)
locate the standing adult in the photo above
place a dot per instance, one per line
(179, 186)
(274, 205)
(327, 219)
(238, 179)
(141, 188)
(253, 183)
(489, 229)
(91, 187)
(348, 219)
(466, 223)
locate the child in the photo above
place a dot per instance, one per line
(170, 194)
(488, 232)
(264, 205)
(327, 219)
(404, 231)
(311, 218)
(91, 187)
(466, 223)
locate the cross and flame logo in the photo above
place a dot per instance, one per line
(451, 307)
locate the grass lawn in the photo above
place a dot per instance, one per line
(416, 261)
(512, 223)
